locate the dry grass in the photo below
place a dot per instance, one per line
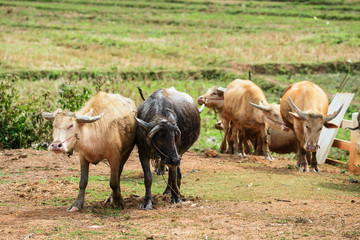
(180, 36)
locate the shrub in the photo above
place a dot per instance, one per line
(21, 124)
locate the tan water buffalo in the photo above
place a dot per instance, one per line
(105, 128)
(239, 100)
(214, 99)
(303, 108)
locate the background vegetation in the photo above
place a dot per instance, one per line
(57, 53)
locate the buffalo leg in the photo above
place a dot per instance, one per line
(302, 162)
(265, 143)
(314, 164)
(230, 140)
(79, 202)
(169, 183)
(147, 203)
(115, 198)
(226, 133)
(173, 182)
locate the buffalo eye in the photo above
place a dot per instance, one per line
(307, 127)
(71, 126)
(214, 93)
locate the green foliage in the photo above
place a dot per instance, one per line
(72, 97)
(21, 124)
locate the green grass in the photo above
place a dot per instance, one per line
(171, 35)
(257, 184)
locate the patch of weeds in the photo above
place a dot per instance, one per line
(107, 212)
(352, 234)
(282, 221)
(58, 201)
(3, 174)
(4, 181)
(38, 230)
(82, 234)
(291, 166)
(42, 181)
(20, 171)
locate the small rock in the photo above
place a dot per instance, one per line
(352, 201)
(95, 226)
(29, 236)
(211, 153)
(23, 156)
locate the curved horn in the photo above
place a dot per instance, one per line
(48, 116)
(332, 116)
(152, 133)
(70, 114)
(261, 107)
(302, 114)
(142, 123)
(87, 119)
(201, 108)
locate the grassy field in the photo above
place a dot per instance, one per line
(193, 45)
(174, 35)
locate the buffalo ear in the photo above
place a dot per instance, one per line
(330, 125)
(143, 124)
(295, 115)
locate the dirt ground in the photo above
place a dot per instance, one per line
(29, 178)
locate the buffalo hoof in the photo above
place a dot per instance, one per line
(167, 191)
(270, 158)
(242, 155)
(159, 172)
(73, 209)
(303, 169)
(145, 206)
(115, 203)
(315, 169)
(175, 200)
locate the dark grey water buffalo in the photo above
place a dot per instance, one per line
(105, 128)
(168, 125)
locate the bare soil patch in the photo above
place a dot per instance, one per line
(36, 188)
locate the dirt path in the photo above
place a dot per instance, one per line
(37, 186)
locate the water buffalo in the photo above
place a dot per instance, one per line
(303, 108)
(168, 125)
(239, 100)
(214, 99)
(105, 128)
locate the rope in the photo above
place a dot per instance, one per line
(343, 82)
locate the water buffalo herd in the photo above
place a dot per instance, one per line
(167, 124)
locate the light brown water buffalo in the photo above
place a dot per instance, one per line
(279, 141)
(303, 108)
(239, 100)
(214, 99)
(105, 128)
